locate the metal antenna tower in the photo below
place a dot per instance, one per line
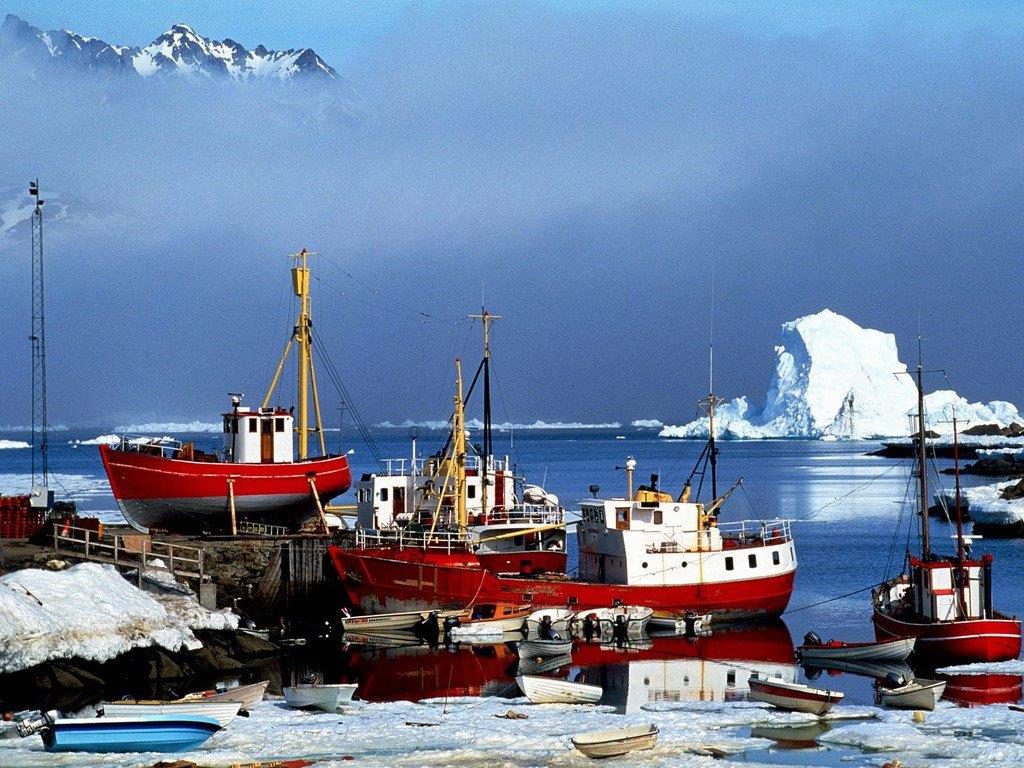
(38, 338)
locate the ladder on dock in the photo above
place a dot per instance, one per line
(143, 554)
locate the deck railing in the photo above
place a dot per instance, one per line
(741, 534)
(402, 539)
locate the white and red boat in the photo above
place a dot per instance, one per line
(463, 492)
(173, 486)
(945, 602)
(792, 697)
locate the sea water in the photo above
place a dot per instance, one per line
(853, 524)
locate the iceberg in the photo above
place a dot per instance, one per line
(834, 380)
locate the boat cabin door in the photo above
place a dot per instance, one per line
(266, 440)
(398, 502)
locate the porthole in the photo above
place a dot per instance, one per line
(643, 564)
(684, 564)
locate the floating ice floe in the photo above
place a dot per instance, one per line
(834, 379)
(505, 426)
(12, 444)
(174, 427)
(90, 611)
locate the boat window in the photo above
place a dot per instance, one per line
(657, 517)
(266, 426)
(728, 563)
(752, 560)
(383, 494)
(471, 492)
(279, 425)
(227, 424)
(252, 425)
(730, 678)
(775, 557)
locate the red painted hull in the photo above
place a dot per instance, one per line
(192, 496)
(386, 580)
(955, 642)
(981, 690)
(525, 562)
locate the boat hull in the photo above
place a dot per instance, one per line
(793, 697)
(323, 697)
(890, 649)
(385, 580)
(602, 744)
(166, 733)
(193, 496)
(917, 695)
(221, 711)
(548, 690)
(955, 642)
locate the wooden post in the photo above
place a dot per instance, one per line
(319, 506)
(231, 506)
(115, 549)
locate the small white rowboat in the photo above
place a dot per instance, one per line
(557, 618)
(889, 650)
(917, 694)
(792, 697)
(619, 741)
(221, 711)
(319, 696)
(384, 622)
(635, 616)
(550, 690)
(530, 649)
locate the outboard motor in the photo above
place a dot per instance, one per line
(429, 629)
(895, 680)
(450, 623)
(690, 619)
(620, 630)
(546, 629)
(812, 638)
(34, 724)
(591, 627)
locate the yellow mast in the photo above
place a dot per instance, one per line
(302, 337)
(459, 449)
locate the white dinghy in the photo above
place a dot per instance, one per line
(541, 624)
(531, 649)
(550, 690)
(221, 711)
(619, 741)
(603, 620)
(248, 696)
(319, 696)
(915, 694)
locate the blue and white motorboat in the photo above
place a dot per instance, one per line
(151, 733)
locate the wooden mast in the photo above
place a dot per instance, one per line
(303, 338)
(459, 449)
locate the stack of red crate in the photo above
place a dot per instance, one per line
(18, 520)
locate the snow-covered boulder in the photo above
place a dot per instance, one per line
(91, 612)
(834, 379)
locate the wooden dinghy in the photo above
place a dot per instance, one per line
(551, 690)
(619, 741)
(792, 697)
(915, 694)
(388, 622)
(813, 649)
(248, 696)
(221, 711)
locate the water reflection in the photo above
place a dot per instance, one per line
(713, 667)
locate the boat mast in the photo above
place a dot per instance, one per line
(486, 319)
(40, 428)
(959, 510)
(302, 336)
(922, 457)
(459, 449)
(712, 402)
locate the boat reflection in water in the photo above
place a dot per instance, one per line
(978, 690)
(713, 667)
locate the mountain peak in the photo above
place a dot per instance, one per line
(178, 51)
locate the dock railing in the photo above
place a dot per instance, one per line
(180, 560)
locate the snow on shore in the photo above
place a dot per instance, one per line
(986, 504)
(836, 380)
(90, 611)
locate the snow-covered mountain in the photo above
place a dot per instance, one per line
(834, 380)
(178, 51)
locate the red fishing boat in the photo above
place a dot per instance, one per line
(944, 601)
(173, 486)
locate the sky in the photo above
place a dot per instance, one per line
(589, 171)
